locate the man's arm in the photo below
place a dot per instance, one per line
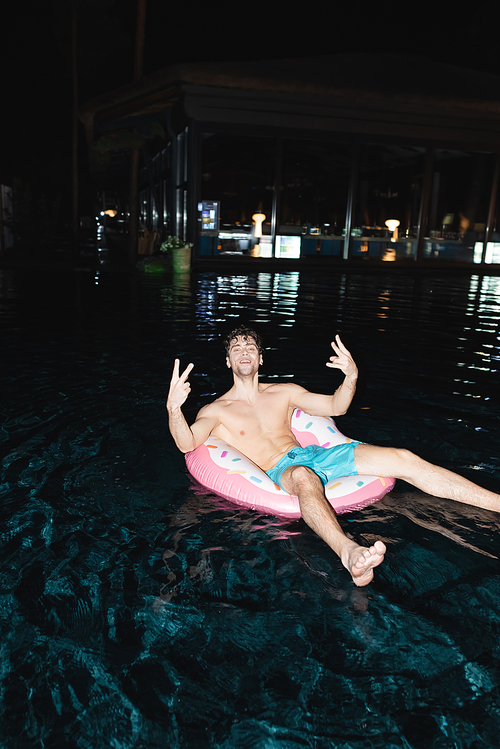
(187, 438)
(338, 403)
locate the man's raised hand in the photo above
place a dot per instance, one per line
(179, 386)
(343, 359)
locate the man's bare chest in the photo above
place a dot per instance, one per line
(265, 415)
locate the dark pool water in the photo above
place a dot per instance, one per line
(136, 612)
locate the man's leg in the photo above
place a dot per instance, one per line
(371, 460)
(319, 515)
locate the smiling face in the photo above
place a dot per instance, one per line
(243, 356)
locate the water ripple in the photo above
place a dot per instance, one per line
(137, 611)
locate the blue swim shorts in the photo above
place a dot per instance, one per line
(327, 462)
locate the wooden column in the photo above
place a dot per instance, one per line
(491, 211)
(351, 201)
(278, 169)
(423, 216)
(193, 182)
(133, 224)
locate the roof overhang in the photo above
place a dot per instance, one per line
(361, 95)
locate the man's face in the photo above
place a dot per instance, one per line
(243, 357)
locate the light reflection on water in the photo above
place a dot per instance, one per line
(136, 611)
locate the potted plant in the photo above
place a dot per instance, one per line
(180, 251)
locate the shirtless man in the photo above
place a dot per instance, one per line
(254, 418)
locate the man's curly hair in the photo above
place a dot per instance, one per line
(244, 332)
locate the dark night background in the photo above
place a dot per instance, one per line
(264, 642)
(35, 143)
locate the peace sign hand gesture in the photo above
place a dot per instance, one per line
(343, 359)
(179, 386)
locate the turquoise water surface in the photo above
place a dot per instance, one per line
(137, 612)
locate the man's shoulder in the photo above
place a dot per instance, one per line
(209, 410)
(285, 387)
(215, 406)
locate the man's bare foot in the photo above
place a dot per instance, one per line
(360, 561)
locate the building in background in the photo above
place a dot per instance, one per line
(329, 149)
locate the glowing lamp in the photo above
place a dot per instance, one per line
(110, 212)
(392, 224)
(258, 219)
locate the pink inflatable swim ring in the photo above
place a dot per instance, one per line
(226, 472)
